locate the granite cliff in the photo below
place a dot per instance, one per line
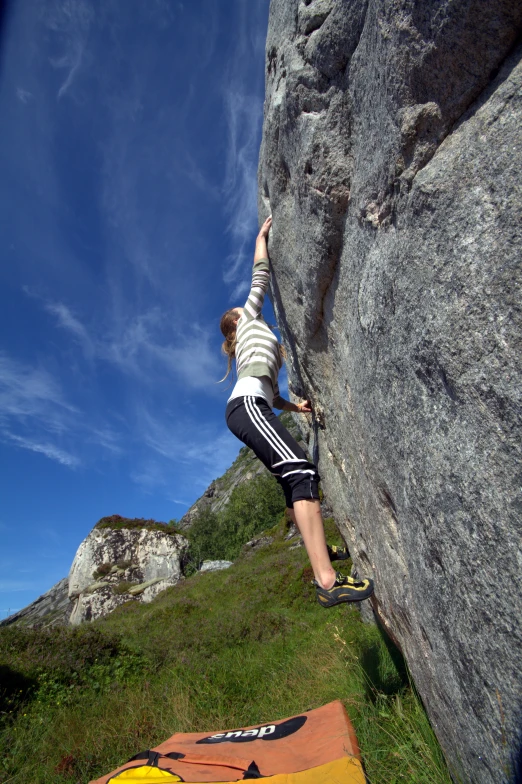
(52, 608)
(390, 161)
(121, 560)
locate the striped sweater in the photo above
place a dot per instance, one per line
(257, 348)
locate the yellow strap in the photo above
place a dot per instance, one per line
(145, 774)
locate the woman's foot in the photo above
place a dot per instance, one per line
(337, 553)
(344, 589)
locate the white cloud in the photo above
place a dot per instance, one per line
(145, 345)
(35, 415)
(47, 449)
(203, 451)
(194, 361)
(23, 95)
(30, 392)
(107, 438)
(71, 20)
(243, 104)
(143, 350)
(244, 114)
(68, 321)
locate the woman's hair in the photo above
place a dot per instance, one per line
(228, 329)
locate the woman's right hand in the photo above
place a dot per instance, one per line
(265, 228)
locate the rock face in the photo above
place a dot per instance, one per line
(391, 163)
(50, 609)
(114, 566)
(215, 566)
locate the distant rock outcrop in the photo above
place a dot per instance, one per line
(391, 163)
(51, 609)
(116, 564)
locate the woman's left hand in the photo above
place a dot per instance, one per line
(305, 407)
(265, 228)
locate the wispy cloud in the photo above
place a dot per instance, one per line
(68, 321)
(33, 410)
(35, 415)
(146, 345)
(30, 392)
(206, 450)
(71, 21)
(47, 449)
(243, 105)
(23, 95)
(126, 293)
(107, 438)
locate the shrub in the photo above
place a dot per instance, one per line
(203, 537)
(253, 507)
(102, 570)
(52, 666)
(122, 587)
(117, 522)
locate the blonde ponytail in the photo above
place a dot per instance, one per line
(228, 329)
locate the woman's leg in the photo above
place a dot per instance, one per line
(307, 516)
(255, 424)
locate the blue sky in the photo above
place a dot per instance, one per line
(128, 149)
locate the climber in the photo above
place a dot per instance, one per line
(249, 416)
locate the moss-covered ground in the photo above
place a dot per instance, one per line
(220, 650)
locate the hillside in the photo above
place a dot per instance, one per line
(55, 607)
(218, 650)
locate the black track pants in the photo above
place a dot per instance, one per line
(252, 421)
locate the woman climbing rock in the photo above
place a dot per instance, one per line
(249, 415)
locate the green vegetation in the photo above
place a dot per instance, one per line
(117, 522)
(253, 507)
(123, 587)
(219, 650)
(102, 570)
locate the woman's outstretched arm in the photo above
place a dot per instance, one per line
(260, 275)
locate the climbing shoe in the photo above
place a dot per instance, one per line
(344, 589)
(337, 553)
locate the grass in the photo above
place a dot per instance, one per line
(219, 650)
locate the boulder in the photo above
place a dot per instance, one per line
(390, 162)
(125, 564)
(215, 566)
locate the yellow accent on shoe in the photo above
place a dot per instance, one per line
(344, 589)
